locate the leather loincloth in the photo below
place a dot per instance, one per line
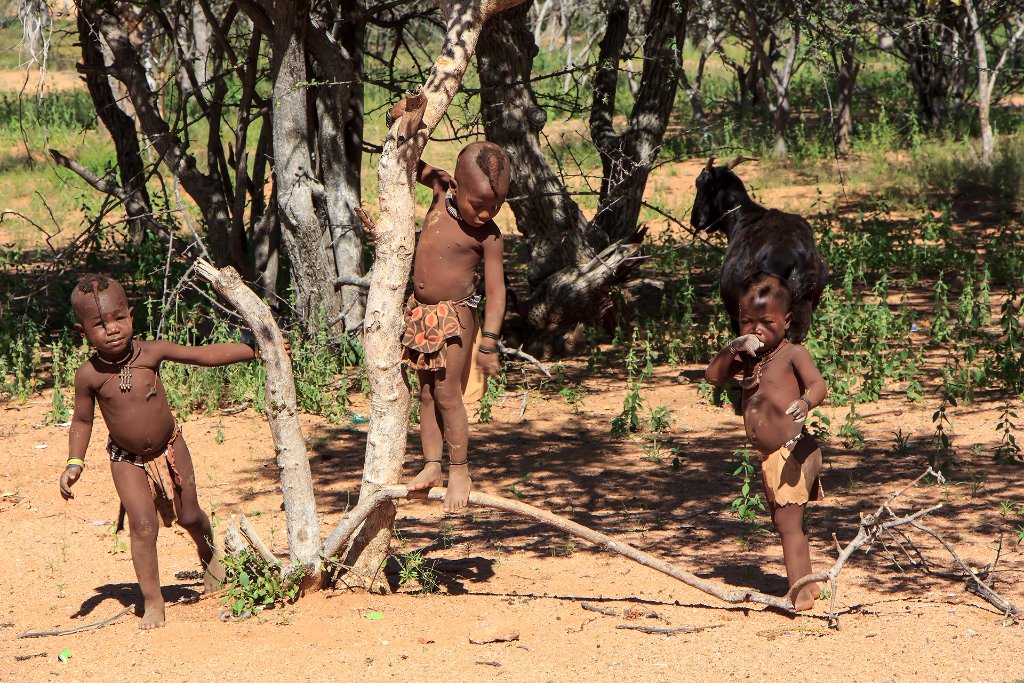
(787, 481)
(428, 329)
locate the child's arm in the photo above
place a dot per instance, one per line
(494, 313)
(79, 433)
(210, 355)
(814, 385)
(434, 178)
(426, 175)
(728, 363)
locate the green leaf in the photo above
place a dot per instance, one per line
(374, 616)
(64, 655)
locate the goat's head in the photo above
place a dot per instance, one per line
(716, 186)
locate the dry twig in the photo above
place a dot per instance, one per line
(79, 629)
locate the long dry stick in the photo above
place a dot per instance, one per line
(79, 629)
(385, 494)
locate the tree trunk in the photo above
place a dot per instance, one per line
(306, 242)
(546, 215)
(120, 125)
(394, 236)
(296, 479)
(574, 263)
(846, 80)
(339, 129)
(637, 149)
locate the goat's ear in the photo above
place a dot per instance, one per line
(739, 160)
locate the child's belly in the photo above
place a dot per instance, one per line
(141, 430)
(767, 425)
(443, 276)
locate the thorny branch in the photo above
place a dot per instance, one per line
(873, 526)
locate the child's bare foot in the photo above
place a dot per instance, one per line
(153, 617)
(806, 597)
(213, 577)
(459, 486)
(429, 476)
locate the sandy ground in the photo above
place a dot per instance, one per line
(61, 569)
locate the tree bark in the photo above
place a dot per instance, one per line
(394, 235)
(305, 240)
(120, 125)
(847, 69)
(339, 130)
(987, 77)
(575, 262)
(296, 479)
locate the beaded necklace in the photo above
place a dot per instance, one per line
(754, 378)
(124, 373)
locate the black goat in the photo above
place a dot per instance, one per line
(760, 240)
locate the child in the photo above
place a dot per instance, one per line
(440, 337)
(780, 387)
(123, 376)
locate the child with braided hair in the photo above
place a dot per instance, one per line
(441, 334)
(123, 376)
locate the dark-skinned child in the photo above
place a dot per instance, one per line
(781, 385)
(123, 376)
(441, 324)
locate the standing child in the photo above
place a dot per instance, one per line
(441, 332)
(780, 387)
(123, 376)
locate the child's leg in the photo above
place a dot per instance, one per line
(448, 397)
(431, 436)
(132, 487)
(191, 517)
(795, 552)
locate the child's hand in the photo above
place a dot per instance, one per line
(748, 343)
(488, 364)
(67, 480)
(396, 112)
(798, 409)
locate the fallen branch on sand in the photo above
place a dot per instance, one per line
(79, 629)
(655, 630)
(872, 526)
(356, 516)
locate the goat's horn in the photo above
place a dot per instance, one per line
(739, 160)
(711, 162)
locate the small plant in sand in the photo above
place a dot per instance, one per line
(251, 585)
(629, 419)
(495, 388)
(573, 395)
(414, 567)
(1008, 452)
(447, 536)
(661, 419)
(900, 443)
(516, 493)
(747, 504)
(116, 544)
(819, 426)
(940, 458)
(850, 431)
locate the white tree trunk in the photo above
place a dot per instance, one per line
(296, 479)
